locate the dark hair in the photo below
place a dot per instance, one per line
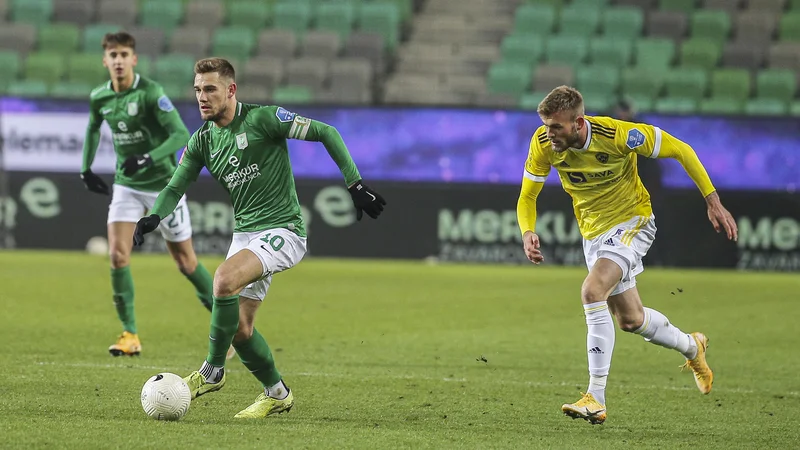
(219, 65)
(120, 38)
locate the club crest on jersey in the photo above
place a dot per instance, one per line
(602, 157)
(241, 141)
(635, 138)
(284, 115)
(133, 108)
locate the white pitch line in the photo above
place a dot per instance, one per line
(416, 377)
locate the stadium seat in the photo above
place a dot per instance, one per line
(9, 68)
(700, 53)
(721, 106)
(36, 12)
(729, 6)
(755, 26)
(338, 17)
(381, 18)
(207, 14)
(675, 105)
(321, 44)
(772, 6)
(784, 55)
(77, 12)
(598, 78)
(190, 40)
(789, 27)
(689, 82)
(277, 43)
(144, 65)
(654, 53)
(351, 80)
(4, 9)
(509, 78)
(161, 14)
(576, 21)
(766, 107)
(566, 49)
(262, 71)
(149, 41)
(646, 5)
(794, 5)
(535, 19)
(233, 42)
(119, 12)
(291, 15)
(623, 22)
(558, 4)
(731, 83)
(18, 37)
(667, 24)
(292, 95)
(531, 100)
(610, 51)
(254, 15)
(642, 82)
(87, 68)
(794, 108)
(712, 25)
(177, 91)
(522, 48)
(743, 55)
(367, 45)
(779, 84)
(598, 102)
(176, 68)
(71, 90)
(642, 104)
(546, 77)
(93, 36)
(308, 72)
(27, 88)
(48, 67)
(687, 6)
(62, 37)
(589, 4)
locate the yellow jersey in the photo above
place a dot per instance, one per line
(601, 177)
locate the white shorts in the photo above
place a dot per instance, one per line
(278, 249)
(625, 244)
(130, 205)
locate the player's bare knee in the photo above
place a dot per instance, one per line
(186, 265)
(629, 322)
(592, 293)
(119, 258)
(225, 284)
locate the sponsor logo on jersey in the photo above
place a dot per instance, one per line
(635, 138)
(284, 115)
(164, 104)
(602, 158)
(133, 108)
(242, 176)
(241, 141)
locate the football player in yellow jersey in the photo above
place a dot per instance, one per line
(596, 161)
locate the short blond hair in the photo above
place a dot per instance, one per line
(562, 98)
(219, 65)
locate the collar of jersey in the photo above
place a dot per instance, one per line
(136, 78)
(588, 137)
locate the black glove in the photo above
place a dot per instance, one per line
(366, 200)
(144, 226)
(136, 162)
(94, 183)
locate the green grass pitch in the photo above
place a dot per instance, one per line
(396, 355)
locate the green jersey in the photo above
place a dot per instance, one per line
(250, 158)
(142, 121)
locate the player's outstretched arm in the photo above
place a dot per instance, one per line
(526, 218)
(721, 219)
(90, 143)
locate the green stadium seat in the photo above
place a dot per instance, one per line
(522, 48)
(714, 25)
(579, 21)
(721, 106)
(675, 105)
(700, 53)
(794, 5)
(252, 14)
(27, 88)
(86, 68)
(509, 78)
(162, 14)
(62, 37)
(48, 67)
(654, 53)
(71, 90)
(640, 82)
(404, 7)
(178, 91)
(144, 64)
(557, 4)
(643, 104)
(776, 83)
(233, 42)
(598, 102)
(93, 36)
(381, 18)
(9, 68)
(611, 51)
(567, 49)
(531, 100)
(687, 6)
(175, 68)
(292, 95)
(766, 107)
(731, 83)
(789, 27)
(589, 4)
(36, 12)
(688, 82)
(623, 22)
(338, 17)
(794, 108)
(291, 15)
(535, 19)
(598, 78)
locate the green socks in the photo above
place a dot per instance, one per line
(122, 285)
(257, 357)
(224, 323)
(203, 284)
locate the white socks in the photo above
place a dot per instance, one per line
(278, 391)
(212, 374)
(657, 329)
(600, 346)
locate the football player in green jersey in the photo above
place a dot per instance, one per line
(244, 147)
(147, 132)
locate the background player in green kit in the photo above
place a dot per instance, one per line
(244, 148)
(147, 132)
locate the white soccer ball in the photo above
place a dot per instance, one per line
(166, 397)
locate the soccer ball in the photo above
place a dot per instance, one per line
(166, 397)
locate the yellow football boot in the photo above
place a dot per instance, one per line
(703, 375)
(265, 406)
(587, 408)
(198, 385)
(127, 344)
